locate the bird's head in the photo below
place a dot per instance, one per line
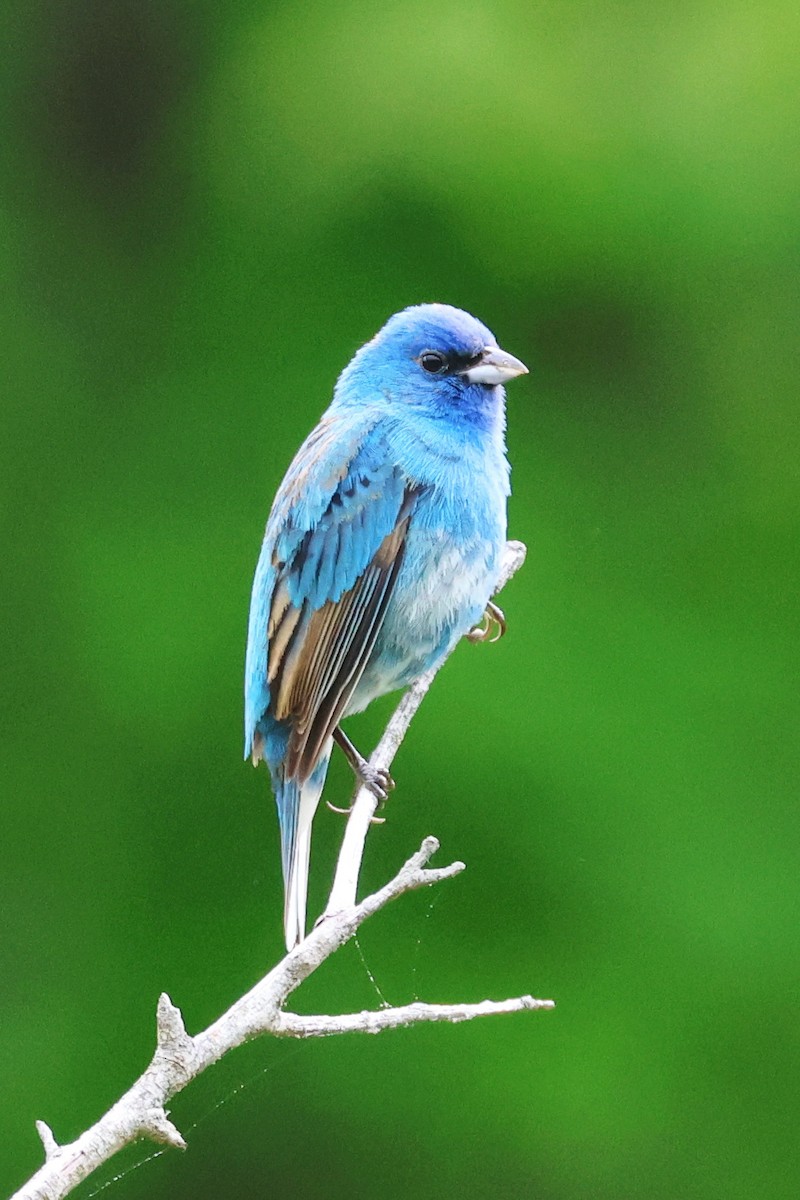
(433, 356)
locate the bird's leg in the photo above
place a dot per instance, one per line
(379, 782)
(492, 625)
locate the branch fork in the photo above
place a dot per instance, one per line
(179, 1058)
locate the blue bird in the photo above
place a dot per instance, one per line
(382, 548)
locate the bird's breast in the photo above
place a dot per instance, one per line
(450, 569)
(452, 557)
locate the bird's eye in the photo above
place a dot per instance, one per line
(433, 362)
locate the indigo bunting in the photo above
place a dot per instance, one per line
(382, 548)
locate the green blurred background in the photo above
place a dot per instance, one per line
(204, 210)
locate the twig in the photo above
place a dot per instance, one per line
(179, 1058)
(410, 1014)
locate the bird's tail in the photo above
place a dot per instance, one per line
(297, 804)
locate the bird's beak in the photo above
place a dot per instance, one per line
(495, 366)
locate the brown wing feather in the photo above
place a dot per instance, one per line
(315, 663)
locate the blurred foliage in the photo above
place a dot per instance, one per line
(204, 209)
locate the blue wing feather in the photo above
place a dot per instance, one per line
(329, 559)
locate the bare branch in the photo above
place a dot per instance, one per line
(170, 1030)
(179, 1058)
(292, 1025)
(51, 1146)
(158, 1126)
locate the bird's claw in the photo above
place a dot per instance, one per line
(491, 627)
(345, 812)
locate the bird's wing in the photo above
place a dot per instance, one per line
(335, 559)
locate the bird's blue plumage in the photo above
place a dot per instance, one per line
(382, 548)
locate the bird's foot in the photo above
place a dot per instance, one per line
(378, 780)
(492, 625)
